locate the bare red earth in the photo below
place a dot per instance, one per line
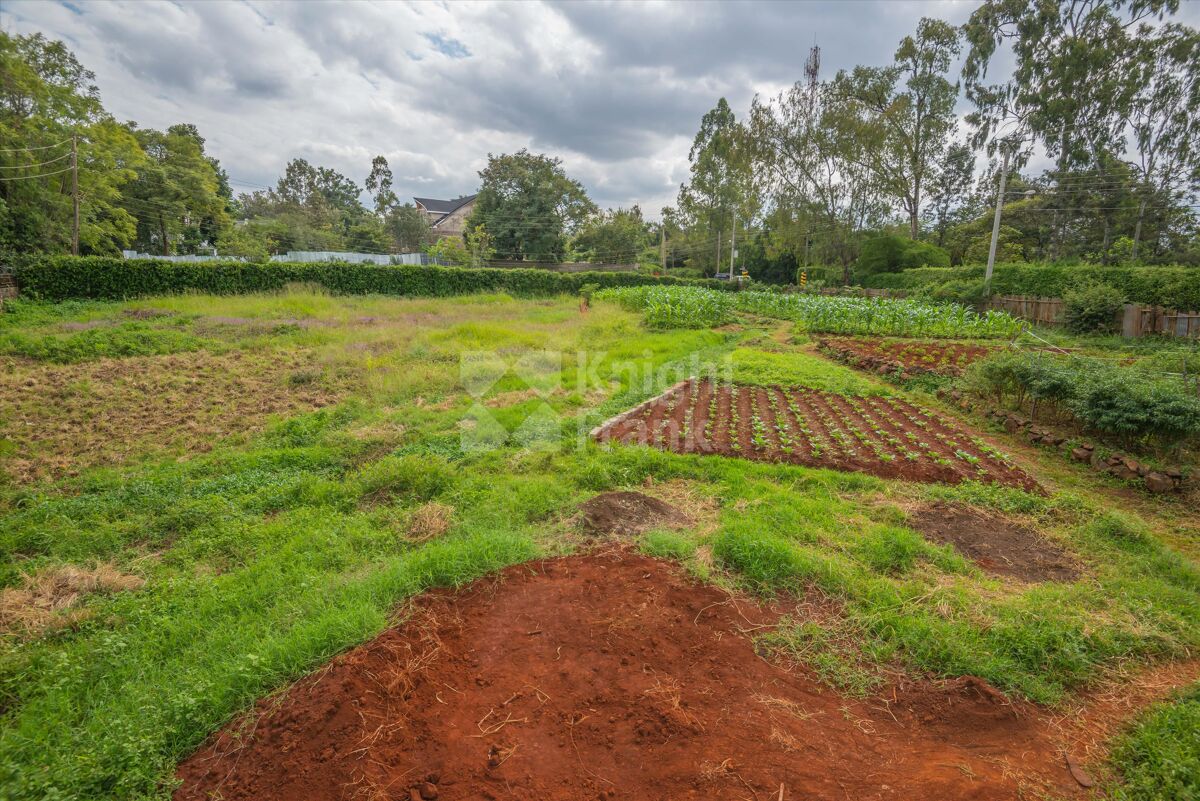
(614, 676)
(917, 356)
(885, 436)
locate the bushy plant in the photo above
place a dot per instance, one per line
(889, 253)
(1120, 402)
(1092, 308)
(1172, 287)
(956, 291)
(102, 277)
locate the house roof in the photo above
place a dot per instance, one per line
(443, 206)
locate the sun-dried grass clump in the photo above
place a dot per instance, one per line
(49, 599)
(430, 520)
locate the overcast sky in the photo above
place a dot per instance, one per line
(616, 90)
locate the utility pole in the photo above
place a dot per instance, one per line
(732, 245)
(662, 247)
(987, 276)
(75, 193)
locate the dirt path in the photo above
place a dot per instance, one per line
(614, 676)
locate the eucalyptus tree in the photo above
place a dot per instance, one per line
(904, 114)
(379, 186)
(950, 191)
(821, 193)
(722, 186)
(1164, 115)
(1070, 89)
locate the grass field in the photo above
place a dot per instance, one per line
(205, 498)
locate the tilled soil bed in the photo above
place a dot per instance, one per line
(885, 436)
(614, 676)
(918, 356)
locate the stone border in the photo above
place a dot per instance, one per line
(1117, 465)
(641, 407)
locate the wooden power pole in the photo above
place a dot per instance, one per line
(662, 248)
(75, 193)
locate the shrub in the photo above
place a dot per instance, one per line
(1092, 308)
(889, 253)
(923, 254)
(102, 277)
(1123, 403)
(1173, 287)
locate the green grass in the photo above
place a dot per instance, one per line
(270, 553)
(751, 366)
(1160, 759)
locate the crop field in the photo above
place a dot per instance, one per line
(301, 545)
(941, 357)
(687, 307)
(880, 435)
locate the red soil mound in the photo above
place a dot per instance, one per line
(626, 513)
(604, 677)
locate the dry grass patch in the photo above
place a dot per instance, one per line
(50, 599)
(429, 521)
(61, 419)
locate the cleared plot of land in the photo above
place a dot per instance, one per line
(885, 436)
(150, 603)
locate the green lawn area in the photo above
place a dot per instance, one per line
(282, 531)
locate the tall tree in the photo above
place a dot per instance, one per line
(379, 185)
(46, 98)
(905, 114)
(821, 192)
(1164, 115)
(529, 206)
(721, 188)
(177, 195)
(949, 190)
(1070, 88)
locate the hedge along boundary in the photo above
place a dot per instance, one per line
(1172, 287)
(106, 278)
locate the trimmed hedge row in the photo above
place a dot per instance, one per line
(1173, 287)
(107, 278)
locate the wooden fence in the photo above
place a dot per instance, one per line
(1134, 320)
(1042, 311)
(8, 288)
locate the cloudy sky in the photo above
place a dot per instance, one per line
(614, 89)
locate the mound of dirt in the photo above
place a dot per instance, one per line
(612, 676)
(995, 544)
(627, 513)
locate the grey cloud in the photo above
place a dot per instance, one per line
(616, 90)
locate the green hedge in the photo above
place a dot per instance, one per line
(1174, 287)
(102, 277)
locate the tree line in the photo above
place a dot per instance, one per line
(871, 170)
(865, 171)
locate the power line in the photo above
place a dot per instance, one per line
(36, 164)
(30, 149)
(42, 175)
